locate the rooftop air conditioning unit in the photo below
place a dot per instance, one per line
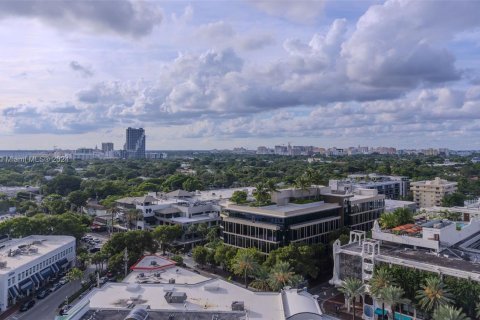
(238, 306)
(3, 264)
(175, 297)
(171, 280)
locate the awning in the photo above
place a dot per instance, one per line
(36, 280)
(378, 312)
(26, 284)
(55, 268)
(47, 272)
(399, 316)
(62, 263)
(17, 292)
(12, 293)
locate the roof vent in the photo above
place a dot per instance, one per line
(137, 314)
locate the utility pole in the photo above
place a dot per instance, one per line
(125, 260)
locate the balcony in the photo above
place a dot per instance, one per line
(368, 267)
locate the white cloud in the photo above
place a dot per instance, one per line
(123, 17)
(371, 79)
(298, 10)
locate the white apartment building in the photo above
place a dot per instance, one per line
(27, 263)
(440, 246)
(180, 207)
(430, 193)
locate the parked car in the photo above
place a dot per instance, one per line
(94, 249)
(55, 287)
(63, 281)
(42, 294)
(27, 305)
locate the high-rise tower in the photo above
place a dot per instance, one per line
(135, 143)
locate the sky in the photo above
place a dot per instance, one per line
(224, 74)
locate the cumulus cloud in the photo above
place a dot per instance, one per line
(401, 43)
(216, 31)
(298, 11)
(256, 42)
(373, 79)
(85, 71)
(124, 17)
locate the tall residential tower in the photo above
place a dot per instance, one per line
(135, 143)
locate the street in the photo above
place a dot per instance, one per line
(47, 308)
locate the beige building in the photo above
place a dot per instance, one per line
(430, 193)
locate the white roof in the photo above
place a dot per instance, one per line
(31, 248)
(296, 303)
(203, 295)
(212, 295)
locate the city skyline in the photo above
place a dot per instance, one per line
(214, 75)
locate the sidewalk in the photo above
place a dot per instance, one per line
(335, 307)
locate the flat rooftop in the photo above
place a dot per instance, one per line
(180, 275)
(159, 315)
(206, 298)
(445, 259)
(29, 249)
(197, 218)
(389, 203)
(287, 210)
(212, 296)
(152, 263)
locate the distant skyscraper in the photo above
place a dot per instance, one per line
(135, 143)
(107, 147)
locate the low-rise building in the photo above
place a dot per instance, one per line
(440, 246)
(429, 193)
(180, 207)
(299, 216)
(392, 205)
(26, 264)
(157, 289)
(393, 187)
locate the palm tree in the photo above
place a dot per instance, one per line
(313, 178)
(271, 186)
(74, 274)
(302, 183)
(433, 294)
(352, 288)
(380, 280)
(245, 263)
(447, 312)
(393, 296)
(478, 308)
(280, 276)
(388, 220)
(83, 259)
(261, 279)
(261, 193)
(133, 215)
(113, 211)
